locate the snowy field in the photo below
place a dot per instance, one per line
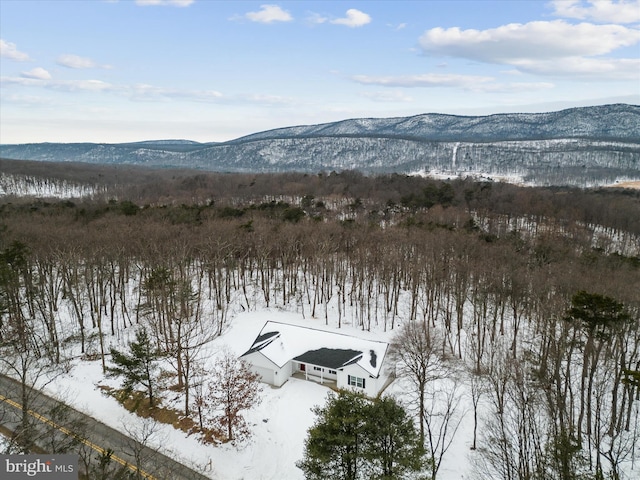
(279, 424)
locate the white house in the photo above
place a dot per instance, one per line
(282, 350)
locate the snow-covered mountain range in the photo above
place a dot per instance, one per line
(582, 146)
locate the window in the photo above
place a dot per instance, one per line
(333, 372)
(318, 369)
(356, 381)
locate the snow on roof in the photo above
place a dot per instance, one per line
(262, 341)
(281, 342)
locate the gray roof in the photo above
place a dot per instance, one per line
(329, 357)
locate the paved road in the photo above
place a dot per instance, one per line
(97, 437)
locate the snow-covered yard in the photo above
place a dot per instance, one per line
(279, 423)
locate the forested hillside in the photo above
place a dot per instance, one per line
(585, 147)
(533, 293)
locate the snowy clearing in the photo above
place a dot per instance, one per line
(279, 424)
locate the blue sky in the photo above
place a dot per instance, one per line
(209, 70)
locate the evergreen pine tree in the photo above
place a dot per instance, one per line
(357, 438)
(137, 367)
(393, 447)
(332, 449)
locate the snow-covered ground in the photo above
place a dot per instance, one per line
(279, 423)
(22, 185)
(515, 178)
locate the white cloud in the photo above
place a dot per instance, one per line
(269, 14)
(172, 3)
(547, 48)
(474, 83)
(77, 62)
(512, 87)
(355, 18)
(146, 92)
(387, 96)
(534, 40)
(38, 73)
(152, 92)
(514, 72)
(143, 92)
(590, 68)
(61, 85)
(24, 81)
(10, 50)
(257, 98)
(74, 61)
(423, 80)
(622, 11)
(316, 19)
(28, 100)
(83, 86)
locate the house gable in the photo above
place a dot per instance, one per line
(260, 358)
(354, 377)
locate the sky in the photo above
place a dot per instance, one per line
(211, 70)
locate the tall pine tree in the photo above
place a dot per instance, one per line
(138, 366)
(356, 438)
(393, 448)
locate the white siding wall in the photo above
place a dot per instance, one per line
(281, 375)
(266, 374)
(268, 371)
(372, 386)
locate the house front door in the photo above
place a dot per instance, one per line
(303, 367)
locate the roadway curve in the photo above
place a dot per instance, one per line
(97, 436)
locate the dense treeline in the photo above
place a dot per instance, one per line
(612, 208)
(513, 244)
(490, 269)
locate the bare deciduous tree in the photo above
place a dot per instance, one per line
(233, 388)
(415, 353)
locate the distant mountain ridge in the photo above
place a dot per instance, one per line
(588, 145)
(611, 122)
